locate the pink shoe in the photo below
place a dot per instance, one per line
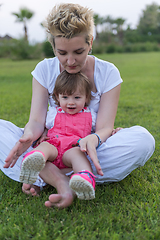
(33, 162)
(83, 184)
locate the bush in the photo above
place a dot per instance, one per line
(111, 48)
(47, 49)
(19, 49)
(5, 48)
(119, 49)
(98, 49)
(141, 47)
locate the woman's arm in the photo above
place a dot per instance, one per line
(107, 113)
(35, 126)
(104, 125)
(38, 110)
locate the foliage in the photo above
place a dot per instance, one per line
(122, 210)
(128, 47)
(112, 32)
(110, 38)
(97, 20)
(47, 49)
(20, 49)
(24, 15)
(150, 20)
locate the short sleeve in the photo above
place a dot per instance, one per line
(40, 73)
(107, 76)
(46, 73)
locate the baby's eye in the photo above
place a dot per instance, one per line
(64, 97)
(77, 97)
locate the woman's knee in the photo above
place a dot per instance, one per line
(144, 144)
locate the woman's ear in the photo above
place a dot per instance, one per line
(90, 50)
(91, 42)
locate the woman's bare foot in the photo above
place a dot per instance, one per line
(60, 200)
(30, 189)
(56, 178)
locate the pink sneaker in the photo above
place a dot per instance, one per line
(83, 184)
(33, 162)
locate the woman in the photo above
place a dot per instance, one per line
(70, 32)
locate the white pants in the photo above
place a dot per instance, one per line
(118, 156)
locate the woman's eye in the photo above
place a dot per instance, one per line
(62, 53)
(80, 52)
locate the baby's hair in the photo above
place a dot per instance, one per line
(69, 20)
(67, 83)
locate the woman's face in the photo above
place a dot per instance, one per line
(72, 53)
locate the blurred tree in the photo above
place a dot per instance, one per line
(97, 21)
(108, 23)
(24, 15)
(119, 28)
(149, 22)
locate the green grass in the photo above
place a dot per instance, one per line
(128, 209)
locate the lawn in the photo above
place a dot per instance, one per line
(125, 210)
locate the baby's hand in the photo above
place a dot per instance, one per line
(42, 138)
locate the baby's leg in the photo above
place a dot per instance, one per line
(83, 181)
(76, 159)
(34, 162)
(50, 152)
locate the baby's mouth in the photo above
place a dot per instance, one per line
(71, 108)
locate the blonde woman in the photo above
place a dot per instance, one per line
(70, 32)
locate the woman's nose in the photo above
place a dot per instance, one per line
(70, 60)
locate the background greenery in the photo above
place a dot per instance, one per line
(128, 209)
(111, 35)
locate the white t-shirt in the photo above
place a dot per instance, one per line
(106, 77)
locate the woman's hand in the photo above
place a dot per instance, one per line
(116, 130)
(20, 147)
(88, 145)
(35, 127)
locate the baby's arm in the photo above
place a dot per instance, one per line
(42, 138)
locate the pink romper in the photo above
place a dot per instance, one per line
(67, 130)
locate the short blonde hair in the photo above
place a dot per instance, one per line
(67, 83)
(69, 20)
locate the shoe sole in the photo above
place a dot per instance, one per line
(83, 189)
(31, 167)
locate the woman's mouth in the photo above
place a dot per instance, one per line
(72, 67)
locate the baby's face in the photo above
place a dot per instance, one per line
(72, 103)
